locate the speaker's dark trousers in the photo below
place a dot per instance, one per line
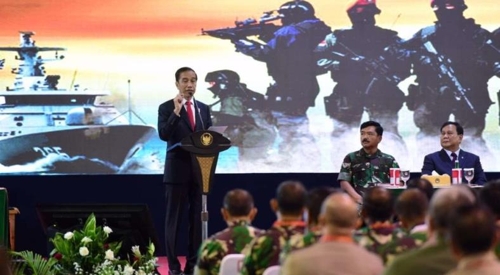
(178, 196)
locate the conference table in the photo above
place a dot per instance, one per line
(398, 189)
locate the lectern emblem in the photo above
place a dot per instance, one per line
(206, 139)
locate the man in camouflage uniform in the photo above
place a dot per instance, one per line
(238, 212)
(265, 250)
(366, 74)
(453, 61)
(250, 126)
(377, 213)
(368, 166)
(411, 209)
(315, 199)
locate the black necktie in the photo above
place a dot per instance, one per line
(453, 157)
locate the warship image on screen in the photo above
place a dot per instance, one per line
(46, 129)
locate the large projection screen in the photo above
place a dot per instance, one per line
(86, 100)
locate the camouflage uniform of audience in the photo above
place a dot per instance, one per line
(265, 251)
(289, 205)
(411, 209)
(400, 245)
(230, 241)
(374, 238)
(298, 242)
(362, 170)
(377, 212)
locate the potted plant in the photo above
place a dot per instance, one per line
(84, 252)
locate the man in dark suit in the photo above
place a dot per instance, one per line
(443, 161)
(177, 119)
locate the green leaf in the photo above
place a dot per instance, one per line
(90, 225)
(36, 264)
(151, 248)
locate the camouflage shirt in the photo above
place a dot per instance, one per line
(229, 241)
(298, 242)
(376, 236)
(265, 250)
(361, 169)
(399, 245)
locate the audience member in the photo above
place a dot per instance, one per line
(434, 257)
(265, 250)
(315, 199)
(423, 185)
(490, 196)
(377, 212)
(473, 236)
(336, 252)
(411, 209)
(238, 211)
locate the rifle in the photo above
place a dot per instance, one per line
(249, 27)
(442, 66)
(376, 66)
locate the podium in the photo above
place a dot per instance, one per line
(205, 147)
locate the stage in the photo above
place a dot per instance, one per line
(26, 192)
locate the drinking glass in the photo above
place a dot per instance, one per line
(469, 174)
(405, 176)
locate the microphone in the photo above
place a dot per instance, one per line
(199, 114)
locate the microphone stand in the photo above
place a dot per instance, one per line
(204, 209)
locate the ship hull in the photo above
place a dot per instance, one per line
(81, 150)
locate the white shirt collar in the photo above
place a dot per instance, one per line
(449, 152)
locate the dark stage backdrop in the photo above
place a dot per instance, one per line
(27, 191)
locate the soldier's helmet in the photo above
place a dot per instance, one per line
(296, 11)
(363, 6)
(438, 5)
(222, 80)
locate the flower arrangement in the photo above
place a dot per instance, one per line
(87, 251)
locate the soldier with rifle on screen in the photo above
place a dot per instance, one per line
(453, 60)
(365, 73)
(290, 62)
(250, 125)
